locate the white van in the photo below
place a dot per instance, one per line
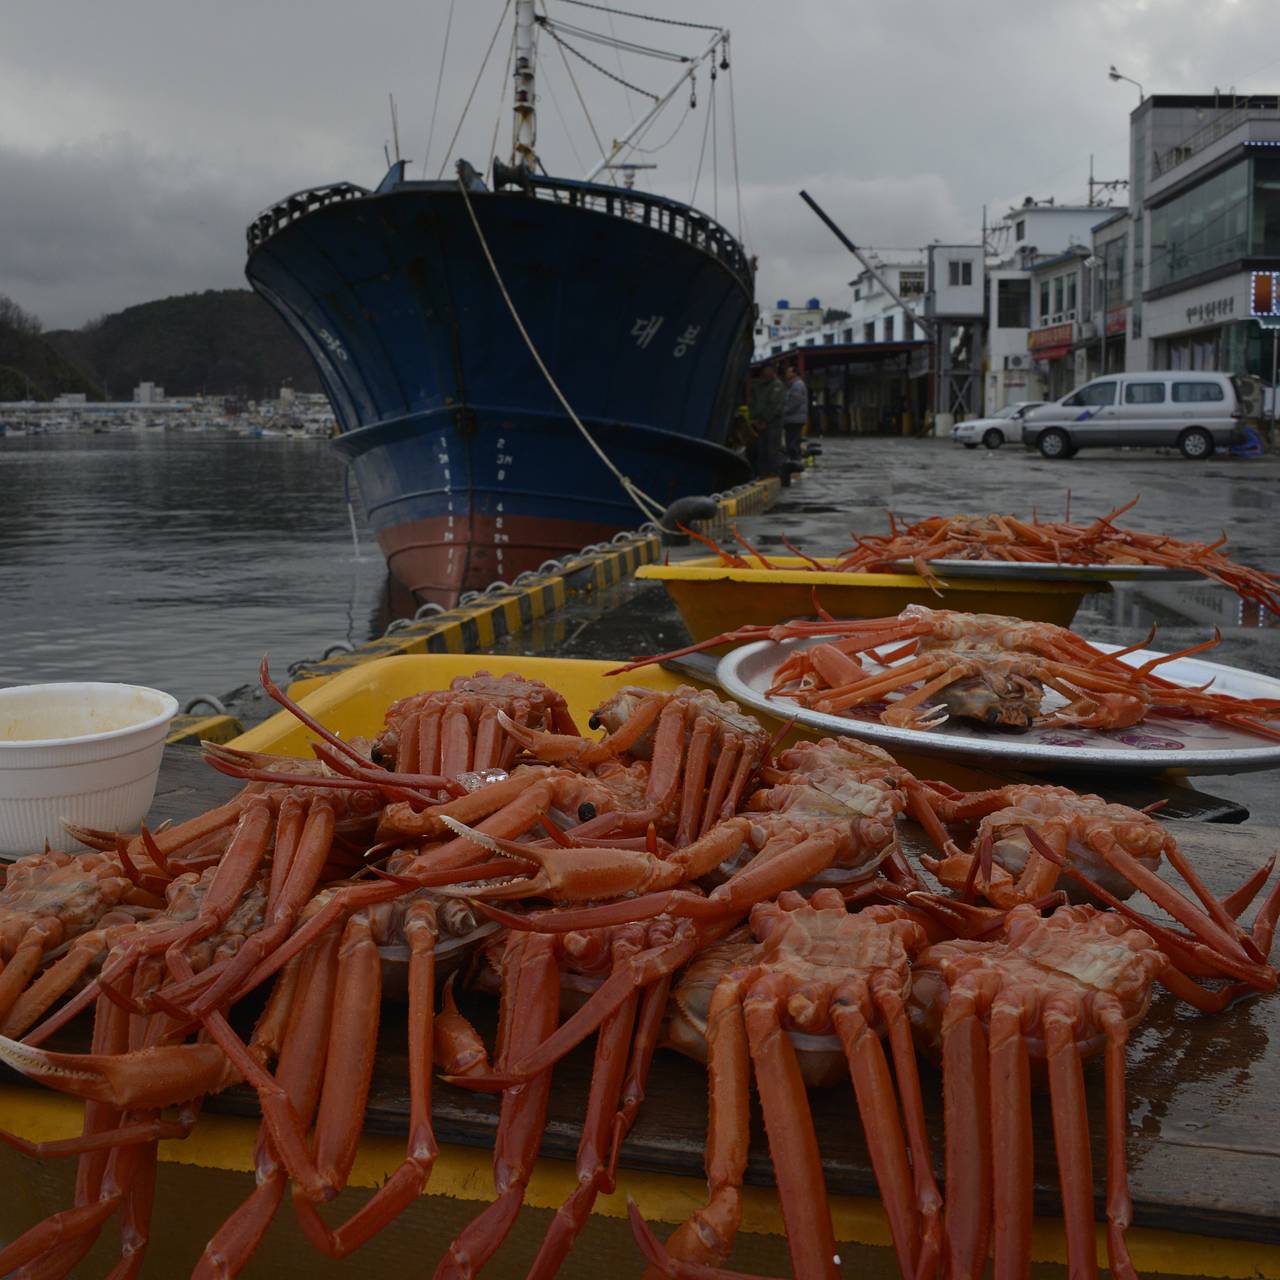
(1194, 411)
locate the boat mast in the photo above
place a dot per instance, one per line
(523, 155)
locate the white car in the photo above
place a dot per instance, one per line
(1003, 425)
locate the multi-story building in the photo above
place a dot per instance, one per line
(1205, 188)
(1034, 326)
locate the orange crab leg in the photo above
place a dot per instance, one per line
(878, 1110)
(1119, 1204)
(1160, 892)
(524, 1109)
(708, 1236)
(1013, 1172)
(311, 850)
(928, 1200)
(347, 1106)
(1071, 1136)
(695, 778)
(792, 1141)
(593, 1147)
(300, 1072)
(718, 788)
(967, 1124)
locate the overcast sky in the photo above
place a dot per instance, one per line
(138, 137)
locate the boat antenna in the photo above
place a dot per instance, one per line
(395, 125)
(525, 133)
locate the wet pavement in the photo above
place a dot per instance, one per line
(858, 480)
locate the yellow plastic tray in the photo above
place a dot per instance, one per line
(355, 702)
(713, 598)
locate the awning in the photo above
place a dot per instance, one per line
(1052, 353)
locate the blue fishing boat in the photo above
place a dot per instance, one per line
(498, 354)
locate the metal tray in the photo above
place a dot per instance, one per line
(1157, 744)
(1004, 570)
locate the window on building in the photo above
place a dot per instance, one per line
(828, 339)
(1196, 392)
(1144, 393)
(911, 284)
(1044, 302)
(966, 273)
(1266, 207)
(888, 328)
(908, 329)
(1020, 229)
(953, 274)
(857, 295)
(1057, 296)
(1071, 293)
(1203, 228)
(1013, 304)
(846, 336)
(869, 331)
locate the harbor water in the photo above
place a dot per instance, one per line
(176, 559)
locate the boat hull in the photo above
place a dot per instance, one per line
(469, 468)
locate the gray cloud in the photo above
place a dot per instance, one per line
(137, 138)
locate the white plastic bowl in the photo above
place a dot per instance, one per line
(85, 752)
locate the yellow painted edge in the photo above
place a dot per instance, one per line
(465, 1173)
(511, 612)
(206, 729)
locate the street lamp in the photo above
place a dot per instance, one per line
(1113, 74)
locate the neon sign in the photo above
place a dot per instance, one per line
(1264, 296)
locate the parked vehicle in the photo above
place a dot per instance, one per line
(1196, 412)
(1003, 425)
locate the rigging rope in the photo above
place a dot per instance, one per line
(702, 151)
(715, 148)
(652, 151)
(609, 42)
(435, 101)
(582, 102)
(648, 507)
(563, 44)
(564, 124)
(502, 98)
(502, 17)
(737, 185)
(644, 17)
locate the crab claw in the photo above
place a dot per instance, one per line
(569, 874)
(143, 1081)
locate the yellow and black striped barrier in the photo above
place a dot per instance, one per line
(503, 612)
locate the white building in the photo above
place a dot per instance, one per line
(1031, 233)
(148, 393)
(787, 323)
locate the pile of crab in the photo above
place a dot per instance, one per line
(679, 881)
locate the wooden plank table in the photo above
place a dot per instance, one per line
(1204, 1142)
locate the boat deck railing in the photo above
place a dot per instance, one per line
(662, 214)
(296, 206)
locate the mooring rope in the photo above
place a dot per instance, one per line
(650, 509)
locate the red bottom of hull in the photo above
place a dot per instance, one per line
(439, 558)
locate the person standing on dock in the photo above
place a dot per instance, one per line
(767, 406)
(795, 411)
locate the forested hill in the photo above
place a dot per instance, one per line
(30, 367)
(220, 342)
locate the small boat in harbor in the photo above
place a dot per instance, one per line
(499, 354)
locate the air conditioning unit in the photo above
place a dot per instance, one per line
(1019, 360)
(1056, 319)
(1088, 330)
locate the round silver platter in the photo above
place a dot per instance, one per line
(1156, 744)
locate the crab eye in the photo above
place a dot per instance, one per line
(586, 811)
(594, 722)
